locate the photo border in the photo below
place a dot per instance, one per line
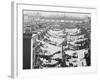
(17, 70)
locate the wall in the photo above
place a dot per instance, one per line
(5, 38)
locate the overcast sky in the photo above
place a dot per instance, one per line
(56, 14)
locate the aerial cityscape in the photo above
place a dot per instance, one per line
(56, 39)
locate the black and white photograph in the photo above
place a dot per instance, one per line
(52, 40)
(55, 39)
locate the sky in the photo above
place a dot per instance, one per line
(56, 14)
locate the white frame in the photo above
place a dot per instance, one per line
(16, 70)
